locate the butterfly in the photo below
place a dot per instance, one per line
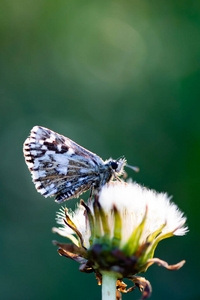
(62, 168)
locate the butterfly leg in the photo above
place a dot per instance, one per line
(117, 178)
(91, 194)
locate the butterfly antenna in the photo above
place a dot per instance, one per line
(120, 157)
(136, 169)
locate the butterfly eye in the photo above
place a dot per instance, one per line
(114, 165)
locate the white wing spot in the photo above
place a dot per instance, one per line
(50, 140)
(42, 191)
(62, 170)
(35, 128)
(59, 147)
(29, 164)
(70, 151)
(44, 147)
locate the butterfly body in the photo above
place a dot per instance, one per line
(64, 169)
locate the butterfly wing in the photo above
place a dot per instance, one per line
(59, 166)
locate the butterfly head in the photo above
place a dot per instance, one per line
(118, 165)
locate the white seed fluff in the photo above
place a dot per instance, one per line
(131, 200)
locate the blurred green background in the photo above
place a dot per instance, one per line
(119, 78)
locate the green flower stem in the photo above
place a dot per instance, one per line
(109, 280)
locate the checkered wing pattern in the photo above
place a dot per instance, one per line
(59, 166)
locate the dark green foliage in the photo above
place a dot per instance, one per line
(119, 78)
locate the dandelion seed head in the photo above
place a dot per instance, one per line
(131, 200)
(119, 230)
